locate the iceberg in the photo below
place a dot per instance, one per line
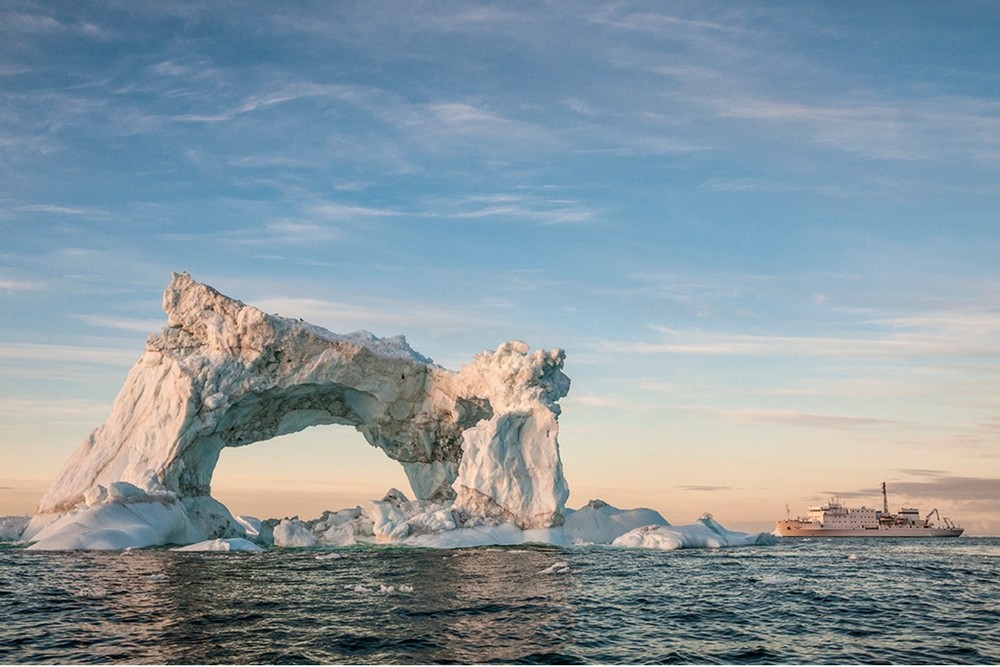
(479, 445)
(482, 440)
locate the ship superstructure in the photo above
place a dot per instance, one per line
(834, 519)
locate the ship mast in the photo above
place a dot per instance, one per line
(885, 500)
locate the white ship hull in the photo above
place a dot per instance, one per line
(793, 528)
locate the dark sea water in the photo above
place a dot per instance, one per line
(814, 601)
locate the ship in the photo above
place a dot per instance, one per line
(836, 520)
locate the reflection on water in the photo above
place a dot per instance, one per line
(282, 606)
(820, 601)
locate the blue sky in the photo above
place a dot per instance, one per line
(766, 234)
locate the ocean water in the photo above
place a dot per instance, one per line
(800, 601)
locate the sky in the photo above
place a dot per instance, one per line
(766, 234)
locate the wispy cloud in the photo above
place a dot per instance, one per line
(56, 209)
(339, 211)
(937, 485)
(52, 409)
(292, 232)
(807, 419)
(7, 285)
(536, 209)
(729, 185)
(719, 78)
(249, 104)
(704, 488)
(122, 323)
(39, 352)
(592, 401)
(969, 333)
(26, 22)
(900, 129)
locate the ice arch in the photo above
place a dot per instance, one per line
(225, 374)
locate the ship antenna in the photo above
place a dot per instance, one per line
(885, 500)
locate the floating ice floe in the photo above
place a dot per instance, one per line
(220, 544)
(382, 588)
(559, 567)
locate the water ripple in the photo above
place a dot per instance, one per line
(912, 602)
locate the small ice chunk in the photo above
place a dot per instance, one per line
(251, 525)
(123, 491)
(11, 527)
(559, 567)
(395, 496)
(95, 495)
(293, 533)
(230, 544)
